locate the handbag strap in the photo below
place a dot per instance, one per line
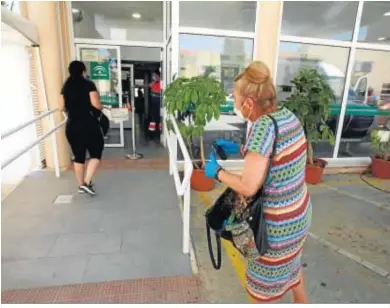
(217, 264)
(273, 154)
(274, 146)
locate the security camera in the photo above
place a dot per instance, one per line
(77, 15)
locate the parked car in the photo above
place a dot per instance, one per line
(384, 121)
(358, 125)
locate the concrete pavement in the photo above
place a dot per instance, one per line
(346, 257)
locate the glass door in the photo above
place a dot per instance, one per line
(103, 63)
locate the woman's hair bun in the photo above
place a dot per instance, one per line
(257, 73)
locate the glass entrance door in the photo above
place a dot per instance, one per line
(103, 63)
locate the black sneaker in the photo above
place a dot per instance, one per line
(87, 189)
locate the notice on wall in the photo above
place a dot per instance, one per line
(119, 114)
(107, 113)
(88, 55)
(100, 70)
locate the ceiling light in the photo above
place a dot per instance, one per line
(381, 38)
(136, 15)
(386, 14)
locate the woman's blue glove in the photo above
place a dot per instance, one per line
(212, 166)
(229, 147)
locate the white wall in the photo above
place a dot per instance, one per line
(140, 54)
(15, 108)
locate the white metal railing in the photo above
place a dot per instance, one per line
(182, 188)
(29, 146)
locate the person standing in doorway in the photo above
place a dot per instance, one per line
(155, 104)
(140, 107)
(80, 100)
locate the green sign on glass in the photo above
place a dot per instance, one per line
(100, 70)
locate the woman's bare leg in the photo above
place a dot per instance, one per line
(93, 165)
(299, 292)
(79, 172)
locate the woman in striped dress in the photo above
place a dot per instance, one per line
(287, 204)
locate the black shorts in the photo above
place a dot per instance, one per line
(85, 135)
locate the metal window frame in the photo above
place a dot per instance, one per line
(216, 33)
(117, 48)
(350, 64)
(352, 45)
(127, 43)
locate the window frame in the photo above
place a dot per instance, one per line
(353, 46)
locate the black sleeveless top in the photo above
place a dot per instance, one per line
(76, 96)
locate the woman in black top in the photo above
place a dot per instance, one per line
(80, 99)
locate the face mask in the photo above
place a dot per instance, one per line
(239, 114)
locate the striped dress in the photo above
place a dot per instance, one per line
(287, 206)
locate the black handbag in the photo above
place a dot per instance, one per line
(248, 232)
(104, 122)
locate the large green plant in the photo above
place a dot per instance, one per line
(310, 101)
(380, 146)
(194, 102)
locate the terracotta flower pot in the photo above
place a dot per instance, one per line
(200, 182)
(314, 172)
(380, 168)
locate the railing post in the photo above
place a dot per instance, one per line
(186, 220)
(173, 141)
(169, 143)
(55, 152)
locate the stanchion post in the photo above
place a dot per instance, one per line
(134, 155)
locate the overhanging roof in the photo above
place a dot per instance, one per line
(17, 28)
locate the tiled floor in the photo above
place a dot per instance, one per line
(173, 290)
(141, 164)
(131, 229)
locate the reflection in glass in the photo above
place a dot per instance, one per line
(320, 19)
(375, 23)
(222, 58)
(329, 61)
(370, 86)
(219, 57)
(223, 15)
(113, 20)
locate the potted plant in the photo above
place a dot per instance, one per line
(380, 142)
(194, 102)
(310, 101)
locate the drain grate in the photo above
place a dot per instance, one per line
(63, 199)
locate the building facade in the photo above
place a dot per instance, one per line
(347, 41)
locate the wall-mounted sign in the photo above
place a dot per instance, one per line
(100, 70)
(89, 55)
(119, 114)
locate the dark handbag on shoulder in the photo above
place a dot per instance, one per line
(239, 221)
(104, 122)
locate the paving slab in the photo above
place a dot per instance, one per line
(354, 225)
(353, 228)
(131, 229)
